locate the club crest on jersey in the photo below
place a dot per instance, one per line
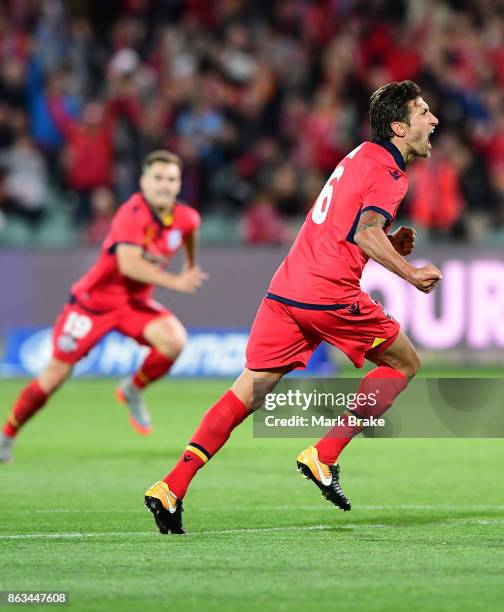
(67, 343)
(174, 239)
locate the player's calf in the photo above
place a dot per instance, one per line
(31, 399)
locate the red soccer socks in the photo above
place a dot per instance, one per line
(154, 366)
(214, 430)
(31, 399)
(386, 383)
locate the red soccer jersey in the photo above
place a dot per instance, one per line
(324, 265)
(103, 287)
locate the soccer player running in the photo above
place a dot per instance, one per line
(315, 295)
(147, 230)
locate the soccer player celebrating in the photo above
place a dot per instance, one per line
(315, 295)
(115, 293)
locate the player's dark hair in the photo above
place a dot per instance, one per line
(388, 104)
(163, 156)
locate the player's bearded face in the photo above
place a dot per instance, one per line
(421, 125)
(161, 184)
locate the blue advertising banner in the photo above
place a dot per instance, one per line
(209, 353)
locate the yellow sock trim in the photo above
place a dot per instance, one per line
(197, 451)
(144, 379)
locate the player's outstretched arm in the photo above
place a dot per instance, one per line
(375, 243)
(132, 264)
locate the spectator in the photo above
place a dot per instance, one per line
(40, 90)
(89, 155)
(12, 84)
(103, 207)
(263, 224)
(26, 179)
(435, 196)
(8, 204)
(6, 129)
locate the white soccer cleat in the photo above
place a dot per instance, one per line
(6, 444)
(132, 397)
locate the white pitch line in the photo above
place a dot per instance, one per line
(247, 508)
(69, 535)
(337, 526)
(437, 507)
(76, 535)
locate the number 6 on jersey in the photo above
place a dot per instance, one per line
(321, 207)
(323, 202)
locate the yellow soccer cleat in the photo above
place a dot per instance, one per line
(325, 476)
(165, 507)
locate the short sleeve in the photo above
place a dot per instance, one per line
(384, 190)
(129, 225)
(192, 220)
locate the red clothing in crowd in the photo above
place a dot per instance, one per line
(436, 201)
(90, 148)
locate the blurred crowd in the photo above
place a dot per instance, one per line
(261, 98)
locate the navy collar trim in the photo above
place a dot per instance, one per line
(394, 151)
(153, 212)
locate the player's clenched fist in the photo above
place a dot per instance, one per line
(189, 280)
(403, 240)
(425, 278)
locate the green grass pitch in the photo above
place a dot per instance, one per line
(425, 532)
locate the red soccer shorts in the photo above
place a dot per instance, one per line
(285, 335)
(78, 330)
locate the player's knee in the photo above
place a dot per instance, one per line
(179, 343)
(172, 344)
(252, 387)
